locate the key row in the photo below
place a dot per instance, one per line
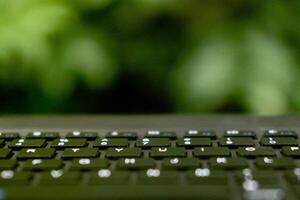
(144, 163)
(152, 176)
(232, 142)
(149, 134)
(156, 152)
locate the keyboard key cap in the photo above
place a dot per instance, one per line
(207, 177)
(123, 152)
(116, 134)
(266, 194)
(265, 178)
(8, 164)
(36, 153)
(89, 164)
(9, 177)
(293, 151)
(155, 176)
(256, 151)
(193, 142)
(42, 164)
(5, 153)
(227, 163)
(121, 192)
(275, 163)
(279, 141)
(180, 163)
(86, 135)
(248, 173)
(296, 189)
(211, 152)
(283, 133)
(293, 176)
(196, 133)
(68, 143)
(111, 142)
(135, 163)
(161, 152)
(27, 143)
(8, 136)
(236, 142)
(80, 153)
(153, 142)
(161, 134)
(108, 177)
(59, 177)
(42, 135)
(237, 133)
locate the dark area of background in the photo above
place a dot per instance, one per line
(145, 56)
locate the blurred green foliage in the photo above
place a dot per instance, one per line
(143, 56)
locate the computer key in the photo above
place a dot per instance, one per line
(207, 176)
(280, 133)
(238, 133)
(5, 153)
(89, 164)
(60, 177)
(36, 153)
(153, 142)
(278, 141)
(180, 163)
(256, 151)
(269, 193)
(125, 192)
(211, 152)
(161, 134)
(193, 142)
(42, 164)
(42, 135)
(293, 151)
(227, 163)
(111, 142)
(80, 153)
(200, 134)
(161, 152)
(236, 141)
(9, 177)
(265, 178)
(293, 176)
(296, 189)
(108, 177)
(256, 174)
(123, 152)
(116, 134)
(8, 164)
(154, 176)
(27, 143)
(86, 135)
(69, 143)
(8, 136)
(135, 163)
(275, 163)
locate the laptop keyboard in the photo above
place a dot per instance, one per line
(254, 165)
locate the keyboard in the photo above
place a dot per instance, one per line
(150, 157)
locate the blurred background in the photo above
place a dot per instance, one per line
(149, 56)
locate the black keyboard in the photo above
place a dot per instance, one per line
(155, 157)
